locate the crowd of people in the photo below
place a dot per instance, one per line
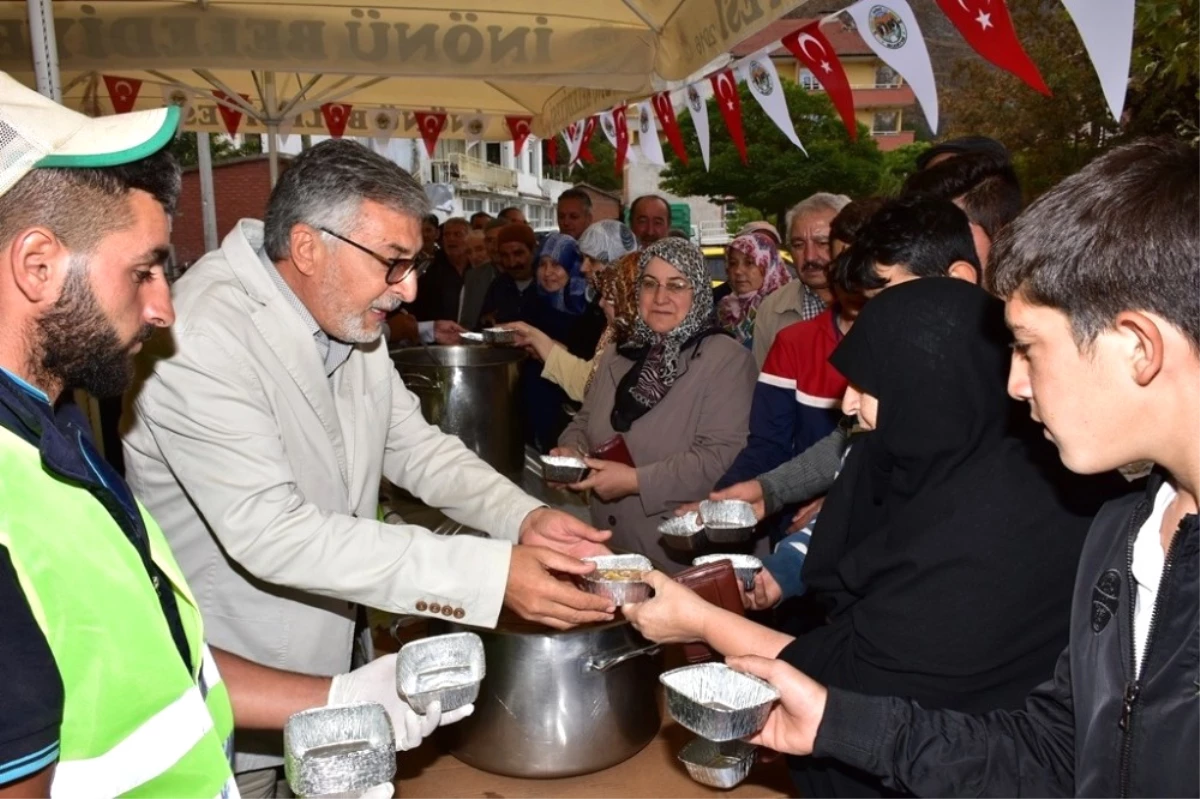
(933, 404)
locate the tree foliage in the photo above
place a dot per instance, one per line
(898, 164)
(778, 174)
(223, 148)
(602, 174)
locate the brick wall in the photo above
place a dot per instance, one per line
(242, 188)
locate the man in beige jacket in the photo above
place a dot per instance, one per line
(259, 434)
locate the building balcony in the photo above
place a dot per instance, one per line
(467, 172)
(887, 140)
(883, 97)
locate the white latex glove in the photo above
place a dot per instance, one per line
(376, 682)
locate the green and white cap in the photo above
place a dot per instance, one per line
(35, 132)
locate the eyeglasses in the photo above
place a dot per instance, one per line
(398, 268)
(675, 285)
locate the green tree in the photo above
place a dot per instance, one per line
(602, 174)
(778, 174)
(184, 148)
(898, 164)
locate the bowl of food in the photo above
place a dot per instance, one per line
(619, 578)
(727, 521)
(683, 533)
(745, 566)
(563, 469)
(716, 702)
(339, 749)
(718, 765)
(499, 335)
(443, 668)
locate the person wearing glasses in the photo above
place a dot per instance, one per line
(262, 426)
(678, 393)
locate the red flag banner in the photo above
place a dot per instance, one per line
(589, 130)
(336, 116)
(519, 128)
(814, 51)
(669, 124)
(552, 151)
(622, 132)
(726, 91)
(431, 124)
(987, 27)
(123, 92)
(230, 115)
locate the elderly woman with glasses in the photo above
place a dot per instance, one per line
(677, 394)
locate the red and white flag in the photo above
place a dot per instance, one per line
(726, 91)
(890, 28)
(384, 123)
(697, 107)
(814, 51)
(621, 131)
(589, 130)
(431, 125)
(664, 109)
(475, 126)
(1106, 27)
(518, 126)
(230, 111)
(573, 136)
(648, 141)
(763, 81)
(336, 116)
(123, 92)
(988, 28)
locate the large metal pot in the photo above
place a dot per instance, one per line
(470, 392)
(559, 703)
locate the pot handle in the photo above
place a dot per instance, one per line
(602, 664)
(421, 380)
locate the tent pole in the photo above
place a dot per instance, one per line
(45, 48)
(208, 207)
(271, 112)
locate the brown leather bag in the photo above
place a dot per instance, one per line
(716, 583)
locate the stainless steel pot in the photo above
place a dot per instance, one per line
(470, 392)
(558, 704)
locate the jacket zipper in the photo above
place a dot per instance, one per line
(1133, 688)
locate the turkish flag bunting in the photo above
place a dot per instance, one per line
(814, 51)
(725, 88)
(230, 115)
(670, 125)
(336, 115)
(986, 26)
(552, 151)
(589, 130)
(431, 124)
(123, 92)
(622, 128)
(519, 128)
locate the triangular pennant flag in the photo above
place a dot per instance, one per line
(123, 92)
(698, 108)
(648, 141)
(665, 111)
(573, 136)
(475, 126)
(336, 116)
(1106, 27)
(431, 124)
(726, 91)
(589, 130)
(384, 122)
(764, 85)
(284, 131)
(814, 51)
(230, 115)
(519, 128)
(621, 132)
(609, 128)
(892, 32)
(987, 27)
(552, 151)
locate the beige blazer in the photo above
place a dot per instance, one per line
(681, 447)
(265, 476)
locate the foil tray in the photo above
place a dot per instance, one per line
(473, 338)
(445, 668)
(339, 749)
(727, 521)
(619, 592)
(563, 469)
(744, 566)
(718, 765)
(716, 702)
(683, 533)
(499, 335)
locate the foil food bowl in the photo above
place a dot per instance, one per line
(563, 469)
(716, 702)
(727, 521)
(471, 338)
(618, 591)
(339, 749)
(718, 765)
(745, 566)
(499, 335)
(683, 533)
(445, 668)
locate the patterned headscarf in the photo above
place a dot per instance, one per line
(737, 311)
(618, 284)
(563, 250)
(656, 355)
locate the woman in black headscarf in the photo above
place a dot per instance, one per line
(944, 557)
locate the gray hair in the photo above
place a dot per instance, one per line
(325, 186)
(821, 201)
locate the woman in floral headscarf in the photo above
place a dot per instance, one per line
(677, 392)
(755, 270)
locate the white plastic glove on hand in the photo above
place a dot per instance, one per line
(376, 682)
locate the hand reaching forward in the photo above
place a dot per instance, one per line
(792, 726)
